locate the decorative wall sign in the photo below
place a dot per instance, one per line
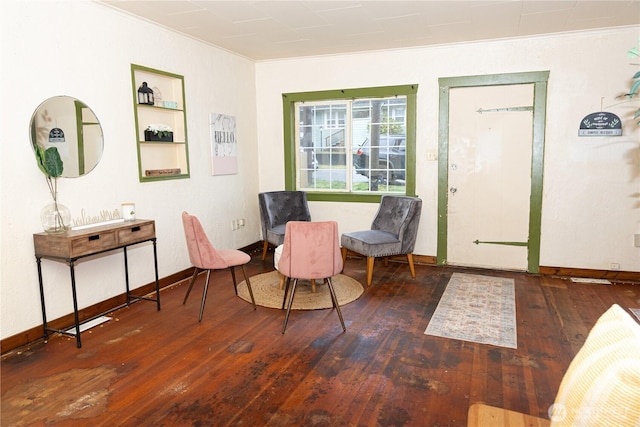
(56, 135)
(600, 124)
(224, 152)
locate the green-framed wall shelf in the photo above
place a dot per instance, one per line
(161, 160)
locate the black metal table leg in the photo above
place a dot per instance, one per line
(75, 302)
(44, 310)
(126, 274)
(155, 265)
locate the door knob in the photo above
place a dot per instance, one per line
(453, 190)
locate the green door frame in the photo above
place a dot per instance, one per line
(539, 80)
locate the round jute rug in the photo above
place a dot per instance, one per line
(268, 294)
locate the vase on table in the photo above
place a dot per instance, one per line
(55, 217)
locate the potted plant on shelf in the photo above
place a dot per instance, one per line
(55, 216)
(157, 132)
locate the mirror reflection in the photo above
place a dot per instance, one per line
(72, 127)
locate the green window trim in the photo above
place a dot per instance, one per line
(288, 108)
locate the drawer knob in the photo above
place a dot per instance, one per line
(94, 237)
(135, 228)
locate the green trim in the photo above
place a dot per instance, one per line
(141, 176)
(410, 159)
(367, 92)
(537, 172)
(539, 80)
(443, 174)
(137, 67)
(79, 106)
(288, 119)
(340, 197)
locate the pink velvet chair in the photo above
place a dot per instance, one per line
(311, 250)
(204, 256)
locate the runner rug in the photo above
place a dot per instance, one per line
(268, 294)
(478, 309)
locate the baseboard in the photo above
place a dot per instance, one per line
(35, 334)
(619, 276)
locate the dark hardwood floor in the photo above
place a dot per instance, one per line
(149, 368)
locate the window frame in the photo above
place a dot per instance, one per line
(288, 107)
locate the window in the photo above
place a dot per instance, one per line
(351, 145)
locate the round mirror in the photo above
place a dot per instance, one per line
(69, 125)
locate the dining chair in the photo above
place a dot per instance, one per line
(205, 257)
(276, 209)
(310, 250)
(393, 232)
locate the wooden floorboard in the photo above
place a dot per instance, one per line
(150, 368)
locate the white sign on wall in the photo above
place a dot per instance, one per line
(224, 151)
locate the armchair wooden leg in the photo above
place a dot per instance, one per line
(204, 295)
(344, 256)
(313, 286)
(248, 282)
(233, 277)
(293, 292)
(265, 248)
(411, 266)
(281, 282)
(370, 261)
(334, 299)
(191, 282)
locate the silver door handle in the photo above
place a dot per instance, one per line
(453, 190)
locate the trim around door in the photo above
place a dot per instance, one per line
(539, 80)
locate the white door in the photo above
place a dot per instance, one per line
(489, 175)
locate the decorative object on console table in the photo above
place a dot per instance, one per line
(55, 216)
(162, 133)
(129, 211)
(145, 94)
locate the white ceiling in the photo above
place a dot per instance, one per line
(267, 29)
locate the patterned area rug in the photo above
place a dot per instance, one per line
(268, 294)
(478, 309)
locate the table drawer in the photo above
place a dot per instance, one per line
(92, 243)
(136, 233)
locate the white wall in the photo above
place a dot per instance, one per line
(591, 206)
(84, 50)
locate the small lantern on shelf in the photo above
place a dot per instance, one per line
(145, 94)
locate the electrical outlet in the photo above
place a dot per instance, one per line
(234, 225)
(241, 222)
(636, 240)
(614, 266)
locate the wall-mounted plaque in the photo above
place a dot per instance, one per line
(600, 124)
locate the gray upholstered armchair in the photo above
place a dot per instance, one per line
(276, 209)
(393, 232)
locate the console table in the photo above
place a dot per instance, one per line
(73, 245)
